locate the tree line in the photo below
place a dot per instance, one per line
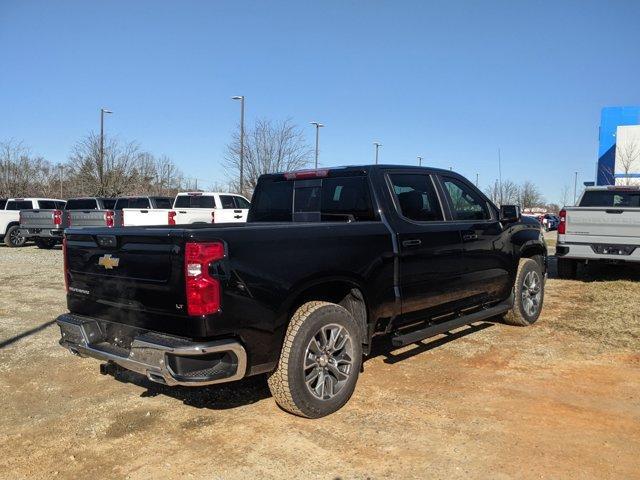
(127, 169)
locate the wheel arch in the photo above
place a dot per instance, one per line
(345, 291)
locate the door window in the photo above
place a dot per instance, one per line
(227, 202)
(416, 197)
(466, 203)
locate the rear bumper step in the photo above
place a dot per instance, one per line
(161, 358)
(432, 330)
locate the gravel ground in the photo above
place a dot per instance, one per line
(560, 399)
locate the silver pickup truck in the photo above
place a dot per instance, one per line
(604, 227)
(46, 225)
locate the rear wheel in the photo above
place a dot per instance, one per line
(320, 361)
(567, 268)
(528, 294)
(13, 237)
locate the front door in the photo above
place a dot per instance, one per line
(431, 257)
(488, 263)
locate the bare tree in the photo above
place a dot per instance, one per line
(566, 196)
(509, 193)
(529, 196)
(268, 147)
(628, 157)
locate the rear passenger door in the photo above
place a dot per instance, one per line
(231, 209)
(431, 259)
(487, 261)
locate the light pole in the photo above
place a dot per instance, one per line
(241, 98)
(101, 165)
(419, 161)
(61, 169)
(575, 188)
(318, 127)
(378, 145)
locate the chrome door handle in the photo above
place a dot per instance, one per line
(469, 237)
(412, 243)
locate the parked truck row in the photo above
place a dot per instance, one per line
(44, 220)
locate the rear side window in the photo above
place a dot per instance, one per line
(610, 198)
(195, 201)
(466, 203)
(227, 202)
(163, 202)
(346, 198)
(20, 205)
(82, 204)
(416, 197)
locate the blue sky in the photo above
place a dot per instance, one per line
(452, 81)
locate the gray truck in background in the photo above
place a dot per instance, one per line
(45, 226)
(604, 227)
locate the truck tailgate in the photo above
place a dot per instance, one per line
(132, 217)
(603, 222)
(87, 218)
(37, 219)
(125, 273)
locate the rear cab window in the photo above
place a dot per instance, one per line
(82, 204)
(19, 205)
(611, 198)
(195, 200)
(163, 202)
(332, 199)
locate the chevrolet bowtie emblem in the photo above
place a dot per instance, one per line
(108, 262)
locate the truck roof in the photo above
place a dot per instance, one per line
(602, 188)
(351, 169)
(23, 199)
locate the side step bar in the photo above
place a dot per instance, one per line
(417, 335)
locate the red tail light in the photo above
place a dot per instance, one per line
(213, 217)
(172, 217)
(203, 291)
(57, 217)
(108, 218)
(64, 263)
(562, 226)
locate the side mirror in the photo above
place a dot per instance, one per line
(510, 213)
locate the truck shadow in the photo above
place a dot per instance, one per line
(382, 346)
(253, 389)
(600, 272)
(215, 397)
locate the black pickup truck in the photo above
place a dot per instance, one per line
(327, 260)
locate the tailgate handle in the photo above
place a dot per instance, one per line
(237, 211)
(468, 237)
(144, 211)
(613, 211)
(107, 241)
(181, 211)
(412, 243)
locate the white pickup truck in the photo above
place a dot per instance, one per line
(10, 216)
(605, 226)
(209, 207)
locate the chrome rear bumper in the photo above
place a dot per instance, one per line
(161, 358)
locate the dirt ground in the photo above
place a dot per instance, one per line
(560, 399)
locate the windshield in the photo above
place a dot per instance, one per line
(611, 198)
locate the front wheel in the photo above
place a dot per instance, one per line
(13, 237)
(528, 294)
(320, 361)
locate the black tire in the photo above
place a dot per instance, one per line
(13, 238)
(46, 243)
(567, 268)
(527, 298)
(287, 383)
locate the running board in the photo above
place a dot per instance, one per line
(417, 335)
